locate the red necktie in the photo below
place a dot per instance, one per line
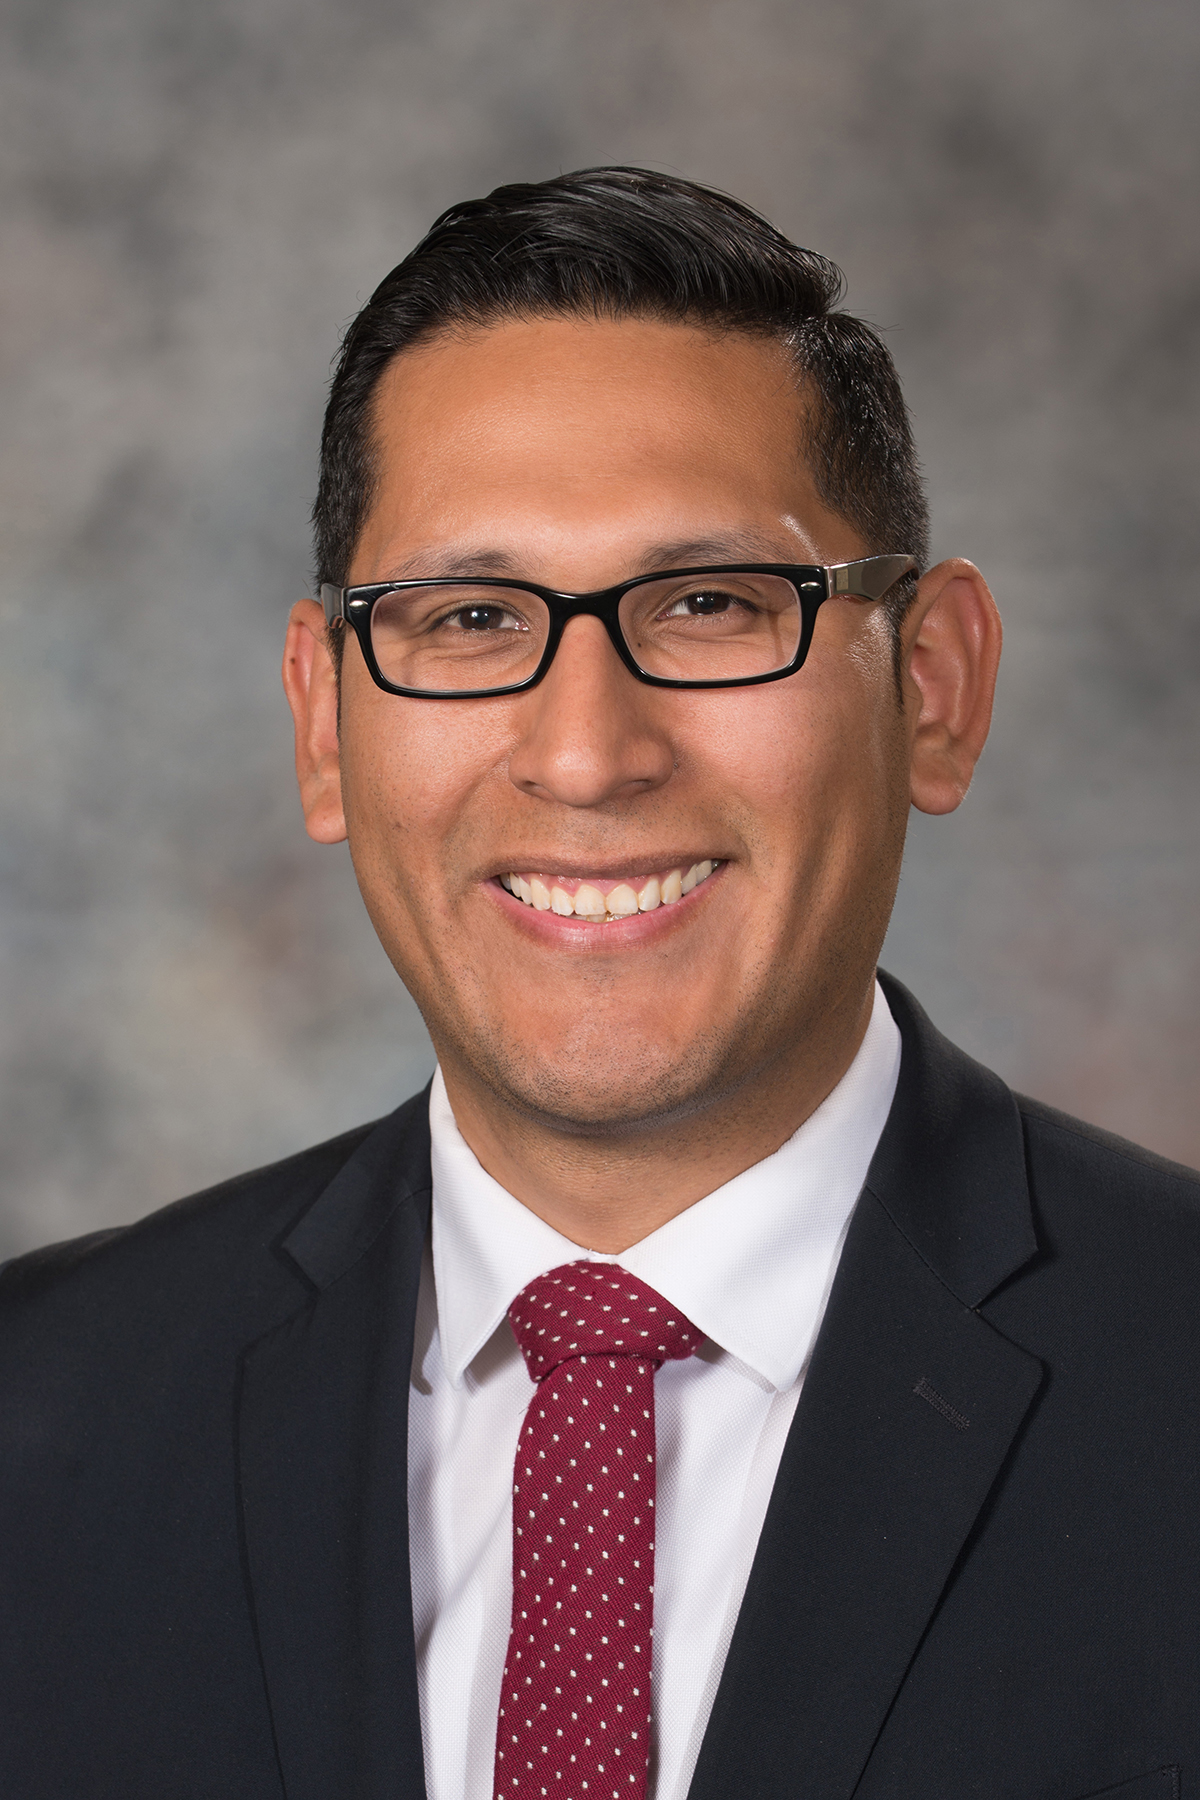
(575, 1703)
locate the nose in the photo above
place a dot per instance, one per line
(590, 733)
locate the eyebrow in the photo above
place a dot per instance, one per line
(451, 562)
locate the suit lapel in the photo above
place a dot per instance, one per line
(908, 1411)
(323, 1461)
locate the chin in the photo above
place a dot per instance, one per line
(599, 1092)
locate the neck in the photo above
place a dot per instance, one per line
(607, 1191)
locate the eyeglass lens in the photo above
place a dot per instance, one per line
(458, 636)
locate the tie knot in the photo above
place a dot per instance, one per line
(596, 1309)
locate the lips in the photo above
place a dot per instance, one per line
(601, 900)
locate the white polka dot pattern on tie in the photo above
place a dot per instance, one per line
(575, 1705)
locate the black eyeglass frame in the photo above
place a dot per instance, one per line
(869, 579)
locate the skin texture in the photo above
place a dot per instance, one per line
(609, 1076)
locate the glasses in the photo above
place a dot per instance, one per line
(731, 626)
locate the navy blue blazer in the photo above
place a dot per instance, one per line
(979, 1573)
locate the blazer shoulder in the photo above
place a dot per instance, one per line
(1106, 1160)
(1110, 1208)
(204, 1232)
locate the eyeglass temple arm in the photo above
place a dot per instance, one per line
(869, 579)
(333, 599)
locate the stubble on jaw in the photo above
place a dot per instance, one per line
(610, 1087)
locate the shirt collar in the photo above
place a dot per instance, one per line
(750, 1264)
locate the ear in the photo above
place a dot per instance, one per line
(310, 682)
(952, 640)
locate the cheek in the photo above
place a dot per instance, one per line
(854, 723)
(415, 775)
(804, 763)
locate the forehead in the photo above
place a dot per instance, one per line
(534, 432)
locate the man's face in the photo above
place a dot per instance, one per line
(577, 454)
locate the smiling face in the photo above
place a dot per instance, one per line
(577, 454)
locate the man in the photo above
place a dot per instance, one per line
(716, 1385)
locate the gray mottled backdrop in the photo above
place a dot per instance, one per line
(196, 196)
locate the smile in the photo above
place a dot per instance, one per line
(600, 901)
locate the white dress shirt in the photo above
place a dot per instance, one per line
(751, 1265)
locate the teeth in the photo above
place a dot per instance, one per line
(622, 902)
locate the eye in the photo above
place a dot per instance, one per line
(706, 603)
(484, 618)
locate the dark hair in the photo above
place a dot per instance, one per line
(621, 243)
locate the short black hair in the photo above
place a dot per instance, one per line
(627, 243)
